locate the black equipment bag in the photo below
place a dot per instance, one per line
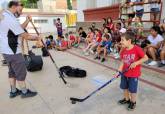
(44, 52)
(73, 72)
(33, 62)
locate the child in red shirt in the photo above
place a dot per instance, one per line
(62, 45)
(71, 39)
(132, 57)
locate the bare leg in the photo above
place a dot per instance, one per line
(126, 94)
(133, 97)
(152, 53)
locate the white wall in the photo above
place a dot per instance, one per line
(44, 27)
(81, 5)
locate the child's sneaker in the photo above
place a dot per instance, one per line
(131, 106)
(97, 57)
(29, 93)
(12, 95)
(103, 59)
(86, 54)
(124, 101)
(91, 51)
(76, 45)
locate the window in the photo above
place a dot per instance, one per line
(40, 21)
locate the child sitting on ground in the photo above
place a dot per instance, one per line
(96, 41)
(90, 36)
(105, 47)
(71, 39)
(62, 45)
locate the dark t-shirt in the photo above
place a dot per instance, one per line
(83, 34)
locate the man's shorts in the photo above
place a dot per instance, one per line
(17, 67)
(139, 13)
(129, 83)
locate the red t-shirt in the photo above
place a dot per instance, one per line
(72, 37)
(111, 26)
(130, 56)
(98, 37)
(64, 43)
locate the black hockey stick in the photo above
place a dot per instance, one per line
(61, 74)
(74, 100)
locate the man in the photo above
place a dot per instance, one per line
(11, 33)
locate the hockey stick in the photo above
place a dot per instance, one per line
(61, 75)
(74, 100)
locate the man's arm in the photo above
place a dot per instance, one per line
(27, 36)
(25, 24)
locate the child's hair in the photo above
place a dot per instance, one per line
(109, 30)
(58, 19)
(129, 35)
(80, 28)
(50, 37)
(62, 37)
(70, 32)
(119, 23)
(96, 30)
(109, 18)
(106, 36)
(90, 28)
(157, 29)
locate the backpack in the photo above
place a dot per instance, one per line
(73, 72)
(44, 52)
(33, 62)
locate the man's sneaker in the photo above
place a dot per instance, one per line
(131, 106)
(152, 63)
(161, 65)
(103, 59)
(12, 95)
(29, 93)
(97, 58)
(4, 63)
(124, 101)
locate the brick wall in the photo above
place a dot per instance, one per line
(98, 13)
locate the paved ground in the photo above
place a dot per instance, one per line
(53, 97)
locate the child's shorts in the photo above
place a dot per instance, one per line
(139, 13)
(129, 83)
(155, 10)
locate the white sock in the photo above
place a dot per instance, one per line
(163, 61)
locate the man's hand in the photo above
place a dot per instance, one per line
(29, 17)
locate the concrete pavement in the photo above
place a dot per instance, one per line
(53, 97)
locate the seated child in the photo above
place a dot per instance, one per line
(71, 39)
(90, 36)
(62, 45)
(94, 43)
(161, 52)
(105, 47)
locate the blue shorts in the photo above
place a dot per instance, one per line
(59, 33)
(129, 83)
(139, 13)
(155, 10)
